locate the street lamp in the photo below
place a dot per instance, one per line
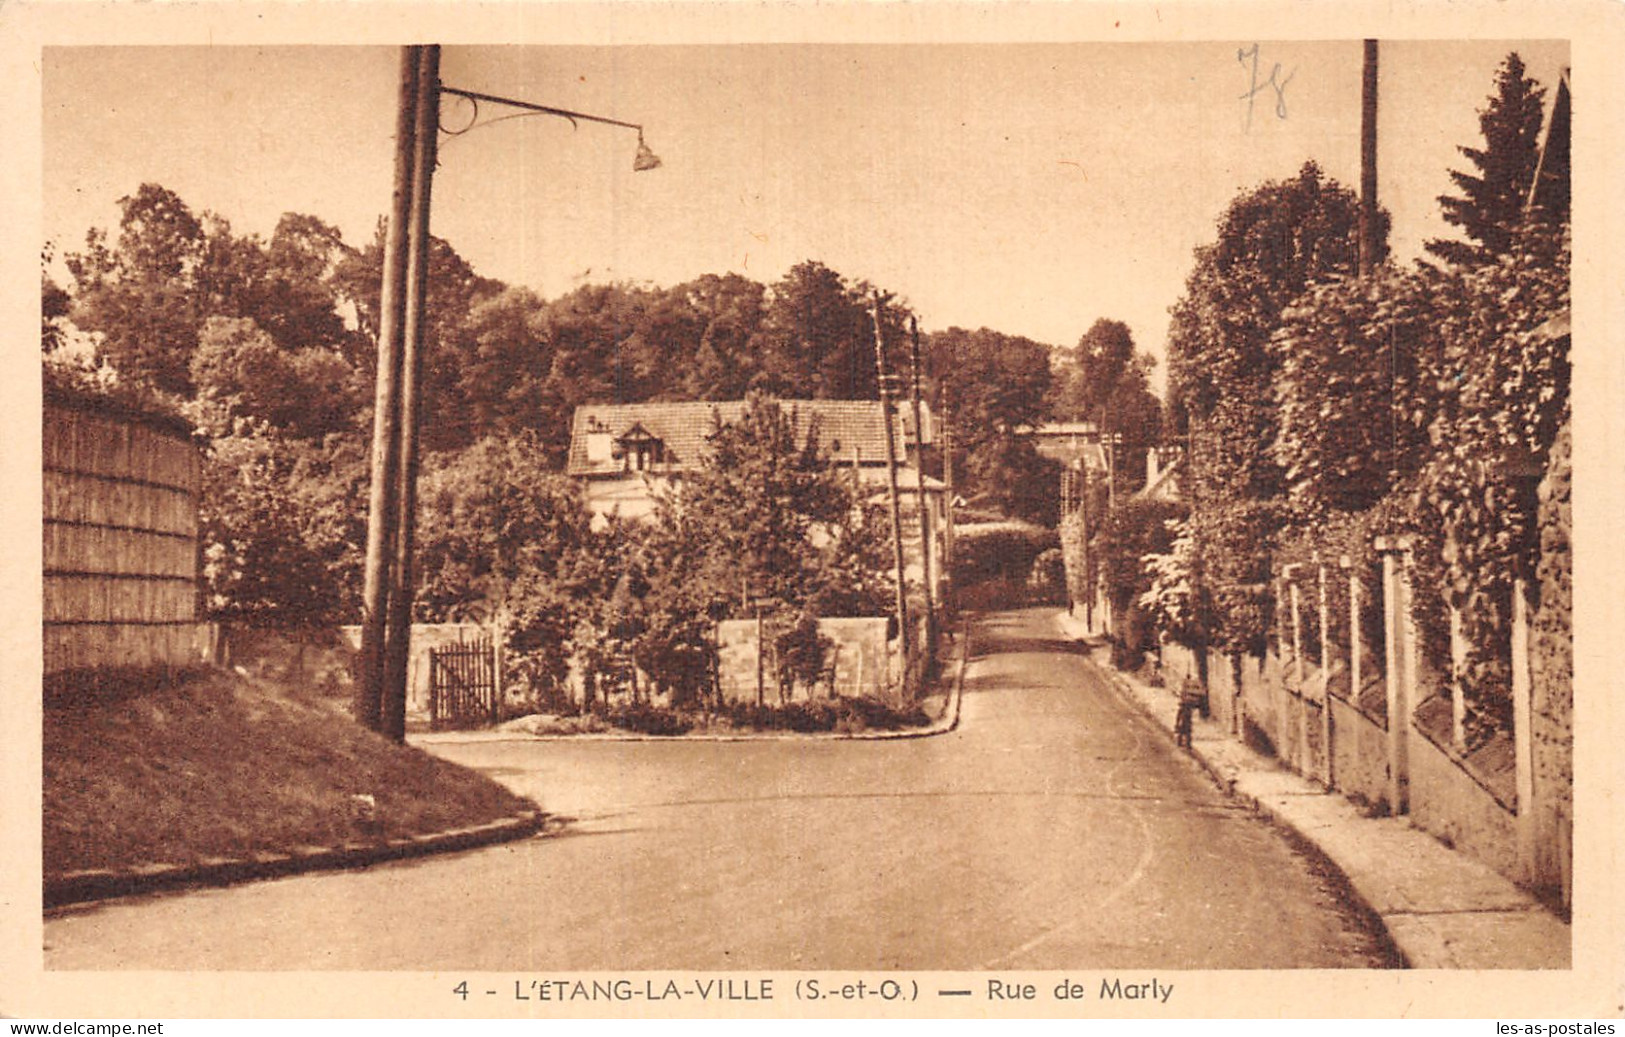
(386, 621)
(643, 161)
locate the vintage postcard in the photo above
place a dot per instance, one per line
(776, 510)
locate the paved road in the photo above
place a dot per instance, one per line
(1056, 828)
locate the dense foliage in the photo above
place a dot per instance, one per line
(267, 346)
(1421, 401)
(1106, 381)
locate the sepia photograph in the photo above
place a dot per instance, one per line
(881, 510)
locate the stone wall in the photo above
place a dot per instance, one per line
(1551, 661)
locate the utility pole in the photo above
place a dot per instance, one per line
(381, 500)
(881, 379)
(947, 483)
(1368, 162)
(1088, 566)
(919, 471)
(398, 640)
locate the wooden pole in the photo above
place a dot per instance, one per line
(761, 657)
(891, 484)
(398, 642)
(386, 409)
(1368, 161)
(947, 482)
(920, 495)
(1088, 567)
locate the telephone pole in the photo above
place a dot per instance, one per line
(398, 640)
(919, 472)
(882, 379)
(1368, 161)
(381, 501)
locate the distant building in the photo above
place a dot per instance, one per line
(625, 455)
(1076, 444)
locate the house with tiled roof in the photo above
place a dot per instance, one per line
(626, 454)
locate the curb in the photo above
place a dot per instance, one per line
(949, 721)
(91, 884)
(1304, 841)
(104, 883)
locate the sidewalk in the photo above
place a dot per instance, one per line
(1442, 909)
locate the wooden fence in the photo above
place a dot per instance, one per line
(120, 539)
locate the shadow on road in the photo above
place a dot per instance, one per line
(992, 644)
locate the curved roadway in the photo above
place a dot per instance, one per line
(1056, 828)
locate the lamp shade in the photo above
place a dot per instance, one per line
(645, 159)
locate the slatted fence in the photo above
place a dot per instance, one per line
(120, 528)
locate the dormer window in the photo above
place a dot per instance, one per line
(639, 450)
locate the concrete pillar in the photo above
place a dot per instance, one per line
(1324, 615)
(1302, 700)
(1400, 641)
(1295, 603)
(1523, 746)
(1458, 698)
(1356, 648)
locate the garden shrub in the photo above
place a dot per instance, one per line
(999, 554)
(648, 719)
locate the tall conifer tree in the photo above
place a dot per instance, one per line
(1492, 199)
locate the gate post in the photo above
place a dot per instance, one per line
(1523, 752)
(1400, 642)
(1323, 617)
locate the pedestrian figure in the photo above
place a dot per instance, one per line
(1190, 700)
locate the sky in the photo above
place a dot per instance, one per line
(1029, 188)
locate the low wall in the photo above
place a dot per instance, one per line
(1449, 800)
(425, 637)
(865, 664)
(1360, 753)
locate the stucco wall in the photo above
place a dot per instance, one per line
(864, 663)
(1360, 753)
(1447, 802)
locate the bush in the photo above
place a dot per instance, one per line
(1047, 581)
(649, 720)
(999, 551)
(1138, 637)
(834, 714)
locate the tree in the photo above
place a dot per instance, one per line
(1104, 380)
(766, 484)
(1019, 480)
(996, 385)
(501, 537)
(454, 289)
(488, 516)
(817, 337)
(1492, 199)
(1273, 242)
(282, 523)
(140, 295)
(724, 362)
(304, 393)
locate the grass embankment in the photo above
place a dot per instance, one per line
(183, 767)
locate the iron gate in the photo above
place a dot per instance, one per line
(462, 685)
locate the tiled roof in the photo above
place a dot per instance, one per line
(844, 426)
